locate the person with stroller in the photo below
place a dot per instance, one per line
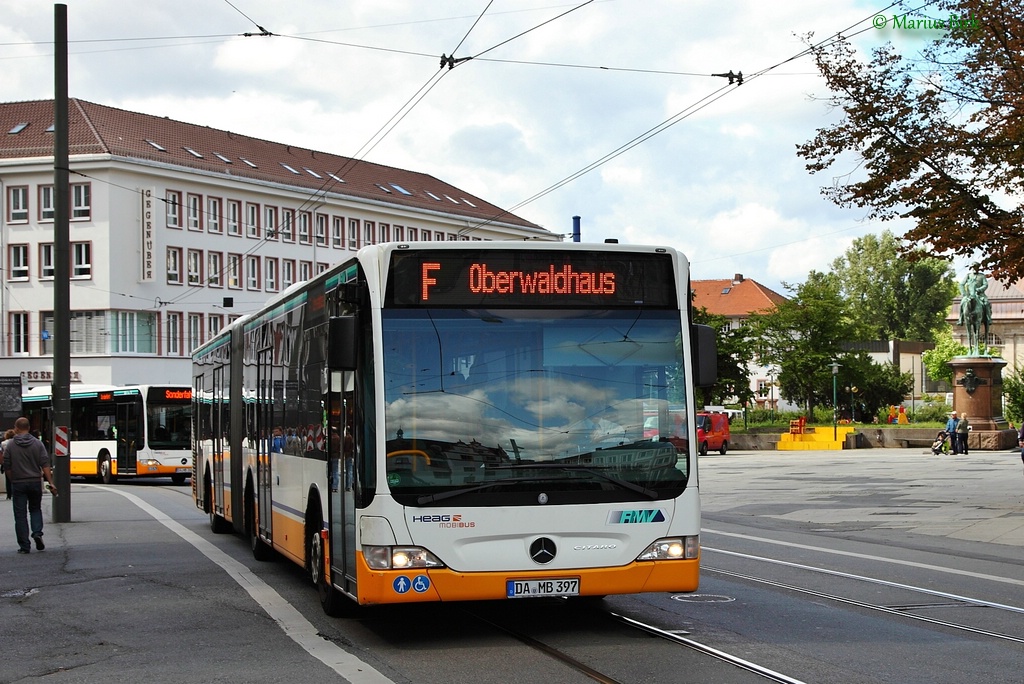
(951, 432)
(939, 445)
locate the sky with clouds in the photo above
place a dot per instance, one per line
(604, 109)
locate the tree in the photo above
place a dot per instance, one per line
(734, 356)
(1013, 390)
(803, 336)
(937, 360)
(878, 384)
(938, 135)
(894, 298)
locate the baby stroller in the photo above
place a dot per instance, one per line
(940, 445)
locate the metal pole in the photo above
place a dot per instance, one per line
(61, 388)
(835, 407)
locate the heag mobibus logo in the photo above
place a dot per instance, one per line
(444, 520)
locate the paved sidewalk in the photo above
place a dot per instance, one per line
(978, 497)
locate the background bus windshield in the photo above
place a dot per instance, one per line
(498, 406)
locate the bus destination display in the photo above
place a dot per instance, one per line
(470, 278)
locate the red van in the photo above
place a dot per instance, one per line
(712, 432)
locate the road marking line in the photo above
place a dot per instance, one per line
(881, 559)
(292, 622)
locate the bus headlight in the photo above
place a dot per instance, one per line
(672, 548)
(150, 462)
(399, 557)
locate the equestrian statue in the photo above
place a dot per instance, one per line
(975, 311)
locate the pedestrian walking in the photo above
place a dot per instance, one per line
(963, 427)
(951, 433)
(7, 475)
(27, 460)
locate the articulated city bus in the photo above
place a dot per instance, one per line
(463, 421)
(122, 431)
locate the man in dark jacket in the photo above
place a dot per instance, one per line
(27, 460)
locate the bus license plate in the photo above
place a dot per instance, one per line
(183, 470)
(568, 586)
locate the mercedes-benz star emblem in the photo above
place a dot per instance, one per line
(543, 551)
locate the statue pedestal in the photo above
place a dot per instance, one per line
(978, 394)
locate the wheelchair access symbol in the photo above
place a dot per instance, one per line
(419, 584)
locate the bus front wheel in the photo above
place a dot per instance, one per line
(104, 469)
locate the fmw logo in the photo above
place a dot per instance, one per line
(651, 515)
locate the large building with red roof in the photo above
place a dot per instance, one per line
(177, 228)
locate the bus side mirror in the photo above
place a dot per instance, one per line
(705, 355)
(342, 342)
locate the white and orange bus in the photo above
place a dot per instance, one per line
(122, 431)
(463, 421)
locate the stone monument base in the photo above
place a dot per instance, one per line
(991, 440)
(978, 394)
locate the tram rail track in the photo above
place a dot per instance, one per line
(561, 656)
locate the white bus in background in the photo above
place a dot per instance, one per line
(121, 431)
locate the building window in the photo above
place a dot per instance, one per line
(81, 201)
(17, 260)
(338, 232)
(195, 330)
(235, 271)
(367, 233)
(214, 322)
(173, 201)
(321, 267)
(287, 273)
(353, 234)
(17, 204)
(213, 212)
(321, 230)
(438, 236)
(173, 325)
(252, 220)
(19, 333)
(270, 266)
(252, 273)
(81, 259)
(270, 222)
(305, 270)
(384, 232)
(89, 332)
(214, 269)
(234, 217)
(425, 235)
(195, 212)
(133, 332)
(195, 267)
(399, 234)
(304, 235)
(288, 225)
(47, 208)
(46, 261)
(412, 235)
(174, 265)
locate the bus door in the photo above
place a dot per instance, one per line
(126, 418)
(221, 426)
(341, 469)
(270, 440)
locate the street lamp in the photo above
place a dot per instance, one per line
(835, 374)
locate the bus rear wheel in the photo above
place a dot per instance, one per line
(261, 551)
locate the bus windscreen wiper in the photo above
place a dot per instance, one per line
(452, 493)
(590, 470)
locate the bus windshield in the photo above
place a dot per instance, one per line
(169, 425)
(502, 406)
